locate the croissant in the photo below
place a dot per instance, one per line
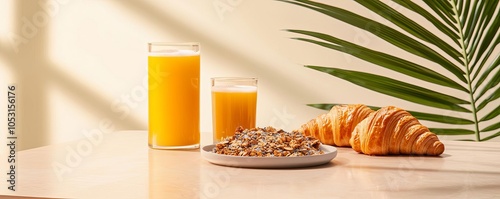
(335, 127)
(393, 131)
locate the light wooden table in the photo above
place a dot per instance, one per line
(122, 166)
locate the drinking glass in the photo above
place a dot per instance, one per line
(234, 104)
(174, 95)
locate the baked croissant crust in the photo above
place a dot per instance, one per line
(336, 126)
(394, 131)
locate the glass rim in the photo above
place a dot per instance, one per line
(234, 78)
(173, 43)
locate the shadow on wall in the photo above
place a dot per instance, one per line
(33, 73)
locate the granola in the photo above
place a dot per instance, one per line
(268, 142)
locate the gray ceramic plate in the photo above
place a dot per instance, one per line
(269, 162)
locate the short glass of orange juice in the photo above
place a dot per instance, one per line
(234, 104)
(174, 95)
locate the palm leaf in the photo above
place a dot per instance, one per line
(409, 26)
(493, 114)
(492, 127)
(491, 84)
(440, 118)
(466, 140)
(326, 107)
(472, 26)
(397, 88)
(470, 19)
(485, 75)
(486, 38)
(464, 8)
(495, 95)
(449, 29)
(442, 131)
(437, 8)
(491, 136)
(381, 59)
(483, 62)
(386, 33)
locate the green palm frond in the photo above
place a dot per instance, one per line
(470, 59)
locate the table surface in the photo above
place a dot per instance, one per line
(120, 165)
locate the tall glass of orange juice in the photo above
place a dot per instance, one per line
(234, 104)
(174, 95)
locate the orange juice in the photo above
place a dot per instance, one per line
(174, 98)
(233, 106)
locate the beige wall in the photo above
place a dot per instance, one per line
(87, 55)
